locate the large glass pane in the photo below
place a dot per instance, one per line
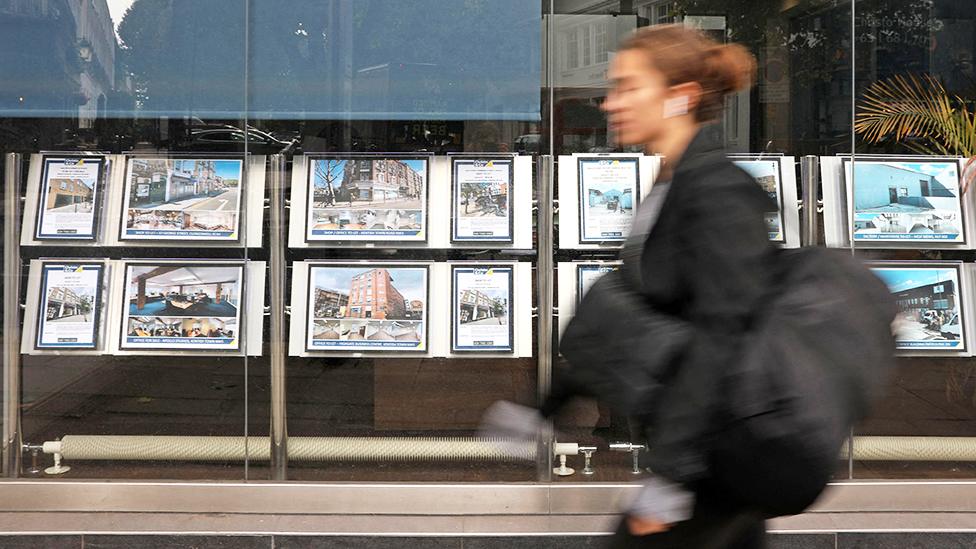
(914, 59)
(341, 79)
(129, 119)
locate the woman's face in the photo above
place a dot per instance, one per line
(635, 103)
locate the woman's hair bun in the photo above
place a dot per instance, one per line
(732, 67)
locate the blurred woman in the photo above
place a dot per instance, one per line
(698, 251)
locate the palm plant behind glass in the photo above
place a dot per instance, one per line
(918, 112)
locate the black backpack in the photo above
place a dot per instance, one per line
(811, 367)
(812, 361)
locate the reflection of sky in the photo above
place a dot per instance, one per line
(339, 170)
(945, 173)
(906, 278)
(418, 166)
(228, 169)
(408, 281)
(758, 168)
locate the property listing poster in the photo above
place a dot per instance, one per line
(182, 306)
(68, 316)
(482, 308)
(367, 199)
(608, 191)
(587, 275)
(367, 308)
(768, 174)
(906, 200)
(482, 200)
(69, 194)
(929, 300)
(182, 199)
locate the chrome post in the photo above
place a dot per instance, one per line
(12, 443)
(277, 244)
(810, 183)
(544, 281)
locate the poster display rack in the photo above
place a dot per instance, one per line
(335, 208)
(896, 202)
(400, 309)
(200, 200)
(152, 307)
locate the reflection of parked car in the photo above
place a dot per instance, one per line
(951, 329)
(231, 139)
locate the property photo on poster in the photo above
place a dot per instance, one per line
(367, 308)
(482, 200)
(69, 197)
(182, 199)
(931, 314)
(482, 308)
(906, 200)
(608, 194)
(367, 199)
(769, 175)
(70, 309)
(587, 275)
(182, 306)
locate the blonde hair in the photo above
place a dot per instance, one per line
(686, 55)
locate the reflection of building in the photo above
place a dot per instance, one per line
(64, 192)
(380, 179)
(939, 296)
(415, 308)
(612, 197)
(155, 182)
(477, 305)
(62, 302)
(880, 185)
(328, 303)
(372, 295)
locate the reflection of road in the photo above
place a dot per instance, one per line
(601, 212)
(399, 204)
(226, 200)
(81, 207)
(71, 318)
(912, 330)
(496, 321)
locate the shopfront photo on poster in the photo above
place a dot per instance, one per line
(482, 207)
(367, 308)
(69, 314)
(69, 197)
(482, 308)
(182, 199)
(608, 195)
(182, 306)
(769, 175)
(929, 299)
(906, 200)
(367, 199)
(587, 275)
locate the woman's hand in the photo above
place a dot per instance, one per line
(645, 526)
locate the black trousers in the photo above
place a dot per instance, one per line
(713, 525)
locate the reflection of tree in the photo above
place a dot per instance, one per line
(328, 171)
(85, 306)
